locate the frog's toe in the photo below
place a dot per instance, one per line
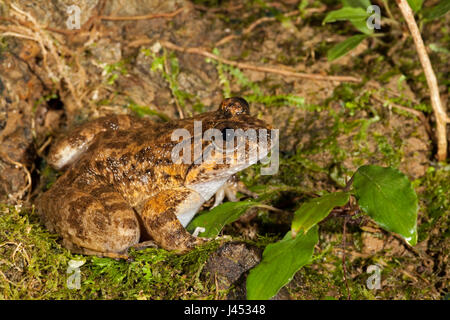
(230, 189)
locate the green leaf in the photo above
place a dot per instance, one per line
(315, 210)
(361, 25)
(437, 48)
(280, 261)
(346, 13)
(344, 47)
(388, 197)
(437, 11)
(357, 3)
(214, 220)
(415, 5)
(359, 8)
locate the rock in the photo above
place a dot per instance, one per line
(106, 51)
(229, 266)
(371, 243)
(18, 90)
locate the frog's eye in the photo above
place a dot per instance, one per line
(227, 134)
(234, 107)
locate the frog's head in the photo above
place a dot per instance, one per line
(225, 142)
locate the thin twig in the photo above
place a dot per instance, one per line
(441, 116)
(348, 184)
(35, 32)
(252, 26)
(114, 18)
(144, 17)
(242, 65)
(214, 10)
(18, 35)
(415, 112)
(41, 149)
(21, 193)
(270, 208)
(7, 280)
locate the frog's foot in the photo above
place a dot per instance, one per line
(165, 215)
(230, 190)
(97, 221)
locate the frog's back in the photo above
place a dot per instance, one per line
(129, 153)
(68, 149)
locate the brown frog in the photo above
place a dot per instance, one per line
(122, 186)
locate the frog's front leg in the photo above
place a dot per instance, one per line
(166, 214)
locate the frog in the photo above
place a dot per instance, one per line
(122, 187)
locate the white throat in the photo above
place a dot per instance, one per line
(208, 188)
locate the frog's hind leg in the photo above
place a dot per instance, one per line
(95, 222)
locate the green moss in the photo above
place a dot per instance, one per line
(33, 265)
(48, 175)
(392, 156)
(436, 201)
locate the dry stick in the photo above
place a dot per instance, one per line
(116, 18)
(414, 112)
(35, 32)
(17, 164)
(248, 66)
(145, 17)
(256, 23)
(270, 208)
(251, 27)
(213, 10)
(439, 112)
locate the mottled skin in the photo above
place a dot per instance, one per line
(121, 187)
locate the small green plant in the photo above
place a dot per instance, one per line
(114, 70)
(168, 66)
(358, 13)
(355, 12)
(383, 193)
(255, 94)
(141, 111)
